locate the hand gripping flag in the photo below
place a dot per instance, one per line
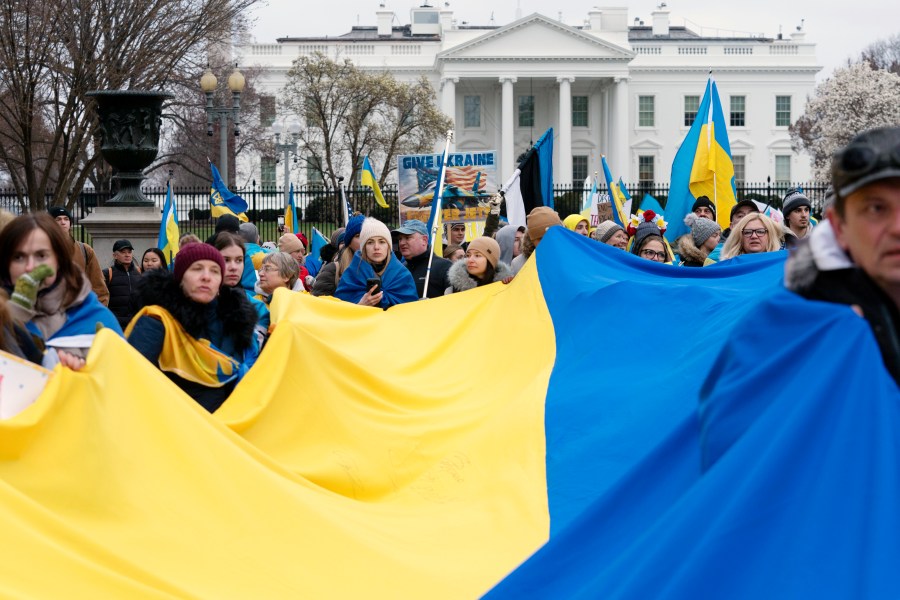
(222, 201)
(702, 166)
(368, 179)
(168, 228)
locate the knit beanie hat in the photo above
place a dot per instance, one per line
(59, 211)
(354, 225)
(191, 253)
(289, 243)
(302, 238)
(643, 230)
(701, 228)
(606, 230)
(488, 247)
(704, 201)
(249, 232)
(229, 223)
(539, 220)
(372, 228)
(572, 221)
(793, 200)
(336, 236)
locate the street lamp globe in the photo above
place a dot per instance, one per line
(236, 81)
(208, 81)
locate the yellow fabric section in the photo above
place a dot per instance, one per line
(190, 358)
(712, 173)
(411, 467)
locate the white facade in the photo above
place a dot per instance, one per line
(588, 83)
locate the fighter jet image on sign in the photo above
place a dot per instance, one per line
(455, 196)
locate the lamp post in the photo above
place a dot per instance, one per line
(208, 84)
(287, 148)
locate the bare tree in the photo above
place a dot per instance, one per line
(53, 52)
(884, 54)
(350, 113)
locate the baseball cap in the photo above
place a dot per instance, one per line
(748, 203)
(122, 245)
(412, 226)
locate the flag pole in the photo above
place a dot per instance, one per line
(436, 202)
(346, 207)
(709, 126)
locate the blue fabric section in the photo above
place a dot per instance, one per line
(396, 282)
(82, 319)
(754, 456)
(262, 311)
(248, 277)
(662, 328)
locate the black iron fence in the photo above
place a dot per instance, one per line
(320, 206)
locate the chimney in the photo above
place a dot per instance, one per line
(446, 18)
(595, 19)
(660, 21)
(385, 18)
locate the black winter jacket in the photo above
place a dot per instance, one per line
(122, 285)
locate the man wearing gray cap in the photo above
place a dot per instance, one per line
(853, 258)
(412, 241)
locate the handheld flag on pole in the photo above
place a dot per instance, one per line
(588, 200)
(615, 195)
(368, 179)
(290, 213)
(345, 204)
(626, 207)
(168, 228)
(222, 201)
(702, 166)
(434, 221)
(531, 184)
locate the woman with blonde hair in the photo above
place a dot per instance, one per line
(753, 234)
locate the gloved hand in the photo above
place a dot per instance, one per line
(28, 285)
(495, 202)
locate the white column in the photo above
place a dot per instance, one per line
(619, 148)
(448, 97)
(565, 129)
(604, 120)
(507, 131)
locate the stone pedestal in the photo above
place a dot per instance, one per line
(137, 224)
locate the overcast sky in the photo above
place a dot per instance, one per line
(839, 33)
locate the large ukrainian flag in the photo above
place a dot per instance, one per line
(554, 408)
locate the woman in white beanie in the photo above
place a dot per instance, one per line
(373, 261)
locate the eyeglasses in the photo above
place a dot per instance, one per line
(759, 232)
(654, 255)
(268, 269)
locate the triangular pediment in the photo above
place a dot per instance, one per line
(536, 37)
(647, 144)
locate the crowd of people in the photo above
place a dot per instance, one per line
(204, 319)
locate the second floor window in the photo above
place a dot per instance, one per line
(472, 110)
(579, 111)
(526, 111)
(691, 106)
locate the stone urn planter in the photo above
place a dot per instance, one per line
(129, 129)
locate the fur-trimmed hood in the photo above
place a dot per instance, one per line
(689, 251)
(232, 307)
(819, 251)
(460, 280)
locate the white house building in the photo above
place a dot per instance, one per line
(622, 88)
